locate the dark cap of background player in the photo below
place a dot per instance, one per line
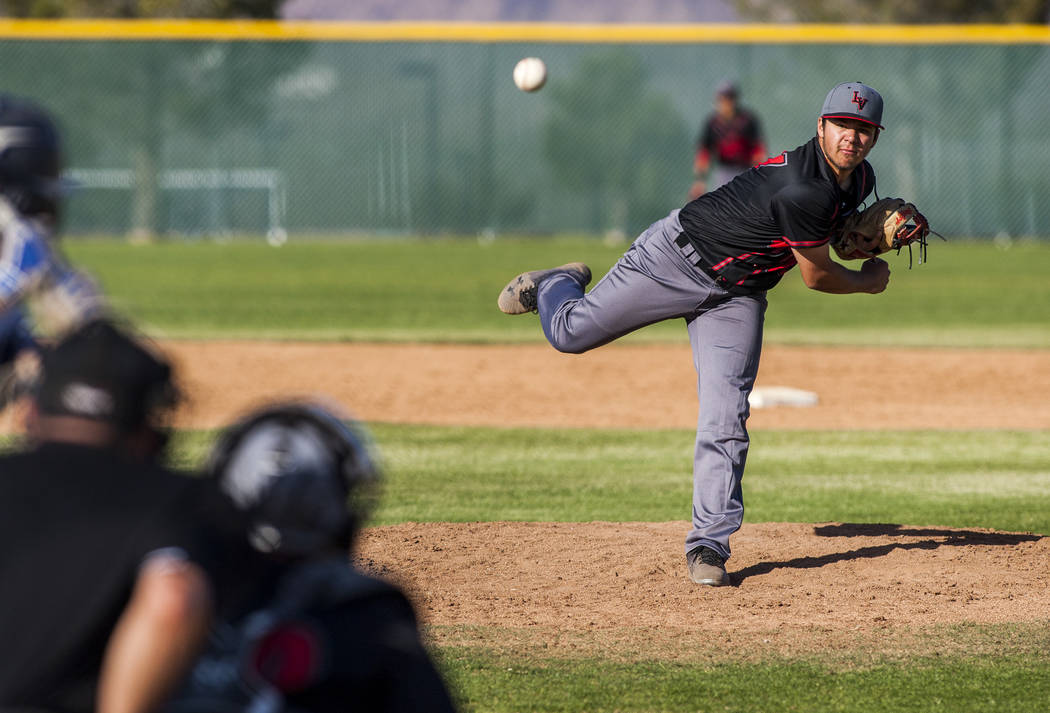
(103, 373)
(727, 88)
(853, 100)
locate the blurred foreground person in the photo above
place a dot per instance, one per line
(325, 637)
(105, 600)
(33, 271)
(32, 197)
(19, 355)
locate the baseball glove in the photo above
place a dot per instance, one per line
(888, 224)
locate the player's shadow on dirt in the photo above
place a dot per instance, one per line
(946, 538)
(970, 537)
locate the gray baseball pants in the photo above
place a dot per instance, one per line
(653, 281)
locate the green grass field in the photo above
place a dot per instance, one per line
(997, 479)
(969, 295)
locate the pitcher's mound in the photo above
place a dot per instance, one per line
(621, 575)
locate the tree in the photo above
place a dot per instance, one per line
(896, 11)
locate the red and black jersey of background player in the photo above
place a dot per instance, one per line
(733, 141)
(743, 232)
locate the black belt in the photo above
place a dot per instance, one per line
(690, 254)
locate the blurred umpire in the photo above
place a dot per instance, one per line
(316, 634)
(105, 597)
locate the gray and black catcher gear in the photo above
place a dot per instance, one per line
(304, 478)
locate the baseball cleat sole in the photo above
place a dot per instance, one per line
(519, 296)
(709, 576)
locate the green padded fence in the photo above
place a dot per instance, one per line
(350, 130)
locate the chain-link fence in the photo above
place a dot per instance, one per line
(343, 136)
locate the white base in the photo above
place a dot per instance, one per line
(769, 396)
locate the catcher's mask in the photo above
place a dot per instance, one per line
(30, 158)
(305, 479)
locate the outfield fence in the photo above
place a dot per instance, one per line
(259, 127)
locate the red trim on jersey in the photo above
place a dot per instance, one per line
(784, 243)
(774, 268)
(728, 260)
(780, 160)
(789, 263)
(804, 243)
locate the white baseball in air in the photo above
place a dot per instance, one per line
(530, 74)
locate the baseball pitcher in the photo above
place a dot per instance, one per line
(712, 263)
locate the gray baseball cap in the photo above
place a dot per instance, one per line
(853, 100)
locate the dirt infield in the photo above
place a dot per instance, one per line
(796, 586)
(616, 386)
(583, 583)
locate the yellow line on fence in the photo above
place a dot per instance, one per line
(268, 30)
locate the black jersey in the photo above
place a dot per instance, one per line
(743, 232)
(75, 525)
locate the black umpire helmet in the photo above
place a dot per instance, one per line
(304, 479)
(30, 158)
(103, 371)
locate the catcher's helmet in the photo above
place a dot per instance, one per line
(304, 478)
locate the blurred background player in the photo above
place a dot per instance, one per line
(320, 635)
(104, 554)
(730, 142)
